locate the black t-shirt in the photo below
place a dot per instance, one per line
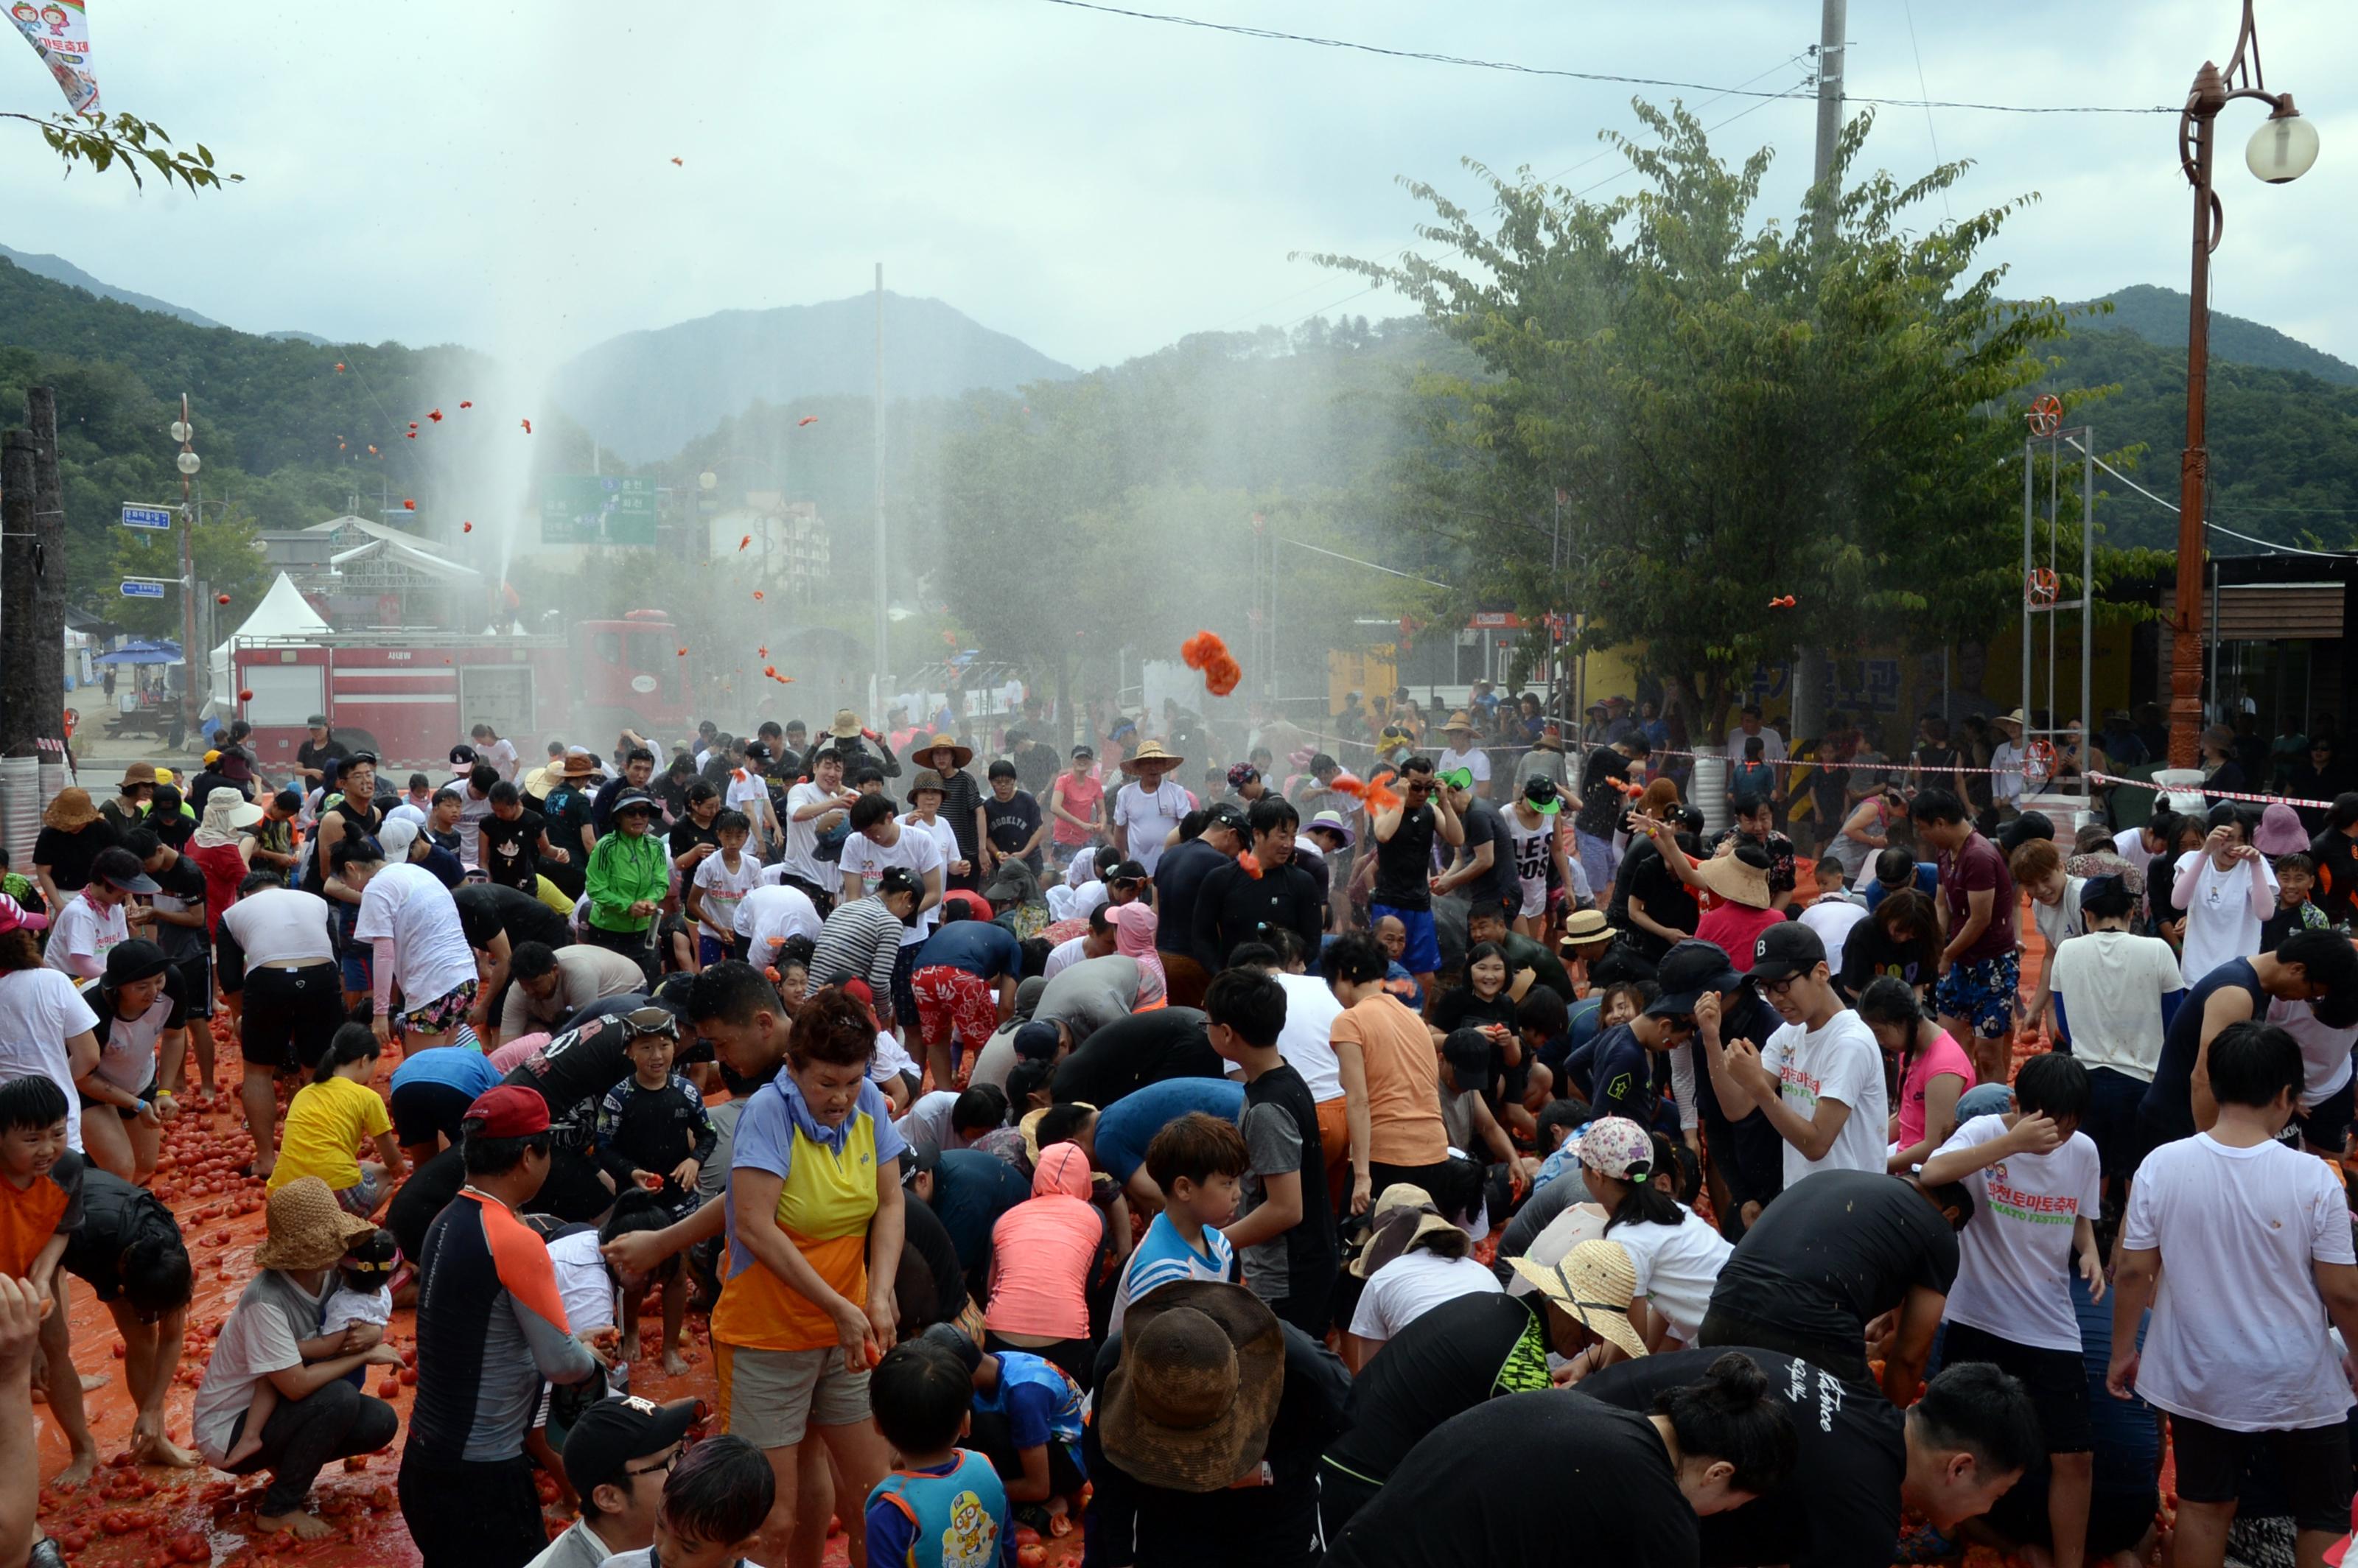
(1840, 1509)
(1460, 1009)
(2169, 1098)
(685, 836)
(1035, 768)
(1835, 1252)
(1233, 907)
(183, 880)
(1502, 883)
(1757, 1171)
(1131, 1053)
(971, 1190)
(69, 854)
(510, 850)
(1178, 877)
(1601, 805)
(1404, 862)
(1447, 1361)
(1869, 953)
(930, 1285)
(1666, 900)
(572, 1072)
(1777, 847)
(116, 1214)
(1597, 1487)
(1010, 824)
(309, 755)
(569, 810)
(487, 909)
(1522, 953)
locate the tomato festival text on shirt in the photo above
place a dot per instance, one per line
(2039, 1208)
(1790, 1075)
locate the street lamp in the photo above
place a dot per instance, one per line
(188, 462)
(2282, 150)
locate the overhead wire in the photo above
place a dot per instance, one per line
(1908, 10)
(2215, 527)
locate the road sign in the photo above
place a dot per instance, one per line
(135, 588)
(147, 516)
(591, 509)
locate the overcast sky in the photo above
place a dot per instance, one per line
(1095, 185)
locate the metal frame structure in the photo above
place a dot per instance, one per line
(2042, 582)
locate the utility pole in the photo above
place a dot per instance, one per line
(23, 703)
(47, 604)
(1809, 661)
(187, 463)
(883, 619)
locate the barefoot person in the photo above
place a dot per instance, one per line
(128, 1250)
(271, 1337)
(41, 1205)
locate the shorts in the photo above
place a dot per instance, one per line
(770, 1397)
(360, 976)
(2326, 1126)
(1535, 899)
(423, 1111)
(197, 980)
(1423, 955)
(904, 999)
(360, 1197)
(289, 1016)
(2312, 1466)
(124, 1111)
(953, 999)
(2056, 1381)
(440, 1016)
(1983, 992)
(711, 950)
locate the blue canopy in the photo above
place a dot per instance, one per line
(141, 652)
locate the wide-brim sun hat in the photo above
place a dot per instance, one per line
(1736, 880)
(2280, 832)
(69, 811)
(1190, 1404)
(1593, 1285)
(1153, 752)
(1582, 927)
(309, 1229)
(1332, 822)
(959, 755)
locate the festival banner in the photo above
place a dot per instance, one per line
(59, 33)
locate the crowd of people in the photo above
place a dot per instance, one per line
(1283, 1163)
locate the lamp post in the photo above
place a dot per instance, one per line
(2282, 150)
(188, 462)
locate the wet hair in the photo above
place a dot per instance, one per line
(1357, 958)
(1972, 1408)
(483, 778)
(1058, 1124)
(1417, 764)
(352, 1043)
(2298, 862)
(1480, 951)
(732, 992)
(488, 1156)
(2252, 1062)
(797, 952)
(732, 821)
(1542, 1012)
(2329, 960)
(507, 794)
(1027, 1078)
(1035, 950)
(1253, 955)
(1199, 1146)
(699, 792)
(1287, 944)
(919, 1394)
(981, 1108)
(142, 844)
(531, 960)
(868, 810)
(2052, 1084)
(355, 849)
(1889, 1000)
(719, 1492)
(31, 1103)
(418, 782)
(1748, 803)
(952, 910)
(1911, 908)
(831, 1028)
(155, 1273)
(1732, 1415)
(1895, 867)
(636, 1210)
(1568, 1114)
(2035, 860)
(1272, 812)
(1937, 806)
(1249, 1002)
(871, 776)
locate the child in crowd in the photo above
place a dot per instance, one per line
(2037, 1184)
(1286, 1234)
(41, 1208)
(653, 1134)
(944, 1504)
(722, 883)
(714, 1501)
(1199, 1162)
(362, 1295)
(1933, 1070)
(2295, 880)
(328, 1119)
(1026, 1419)
(1818, 1079)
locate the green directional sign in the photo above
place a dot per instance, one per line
(590, 509)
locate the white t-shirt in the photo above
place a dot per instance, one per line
(1062, 957)
(472, 812)
(40, 1011)
(1304, 1042)
(347, 1306)
(925, 1125)
(2111, 983)
(2129, 844)
(945, 835)
(432, 957)
(281, 925)
(768, 915)
(866, 859)
(590, 1300)
(83, 930)
(2238, 1337)
(890, 1060)
(254, 1343)
(1411, 1285)
(2219, 924)
(1533, 848)
(750, 793)
(2324, 1050)
(127, 1057)
(1772, 746)
(1476, 762)
(2061, 920)
(2014, 1273)
(1149, 818)
(1832, 919)
(801, 859)
(1840, 1062)
(724, 889)
(1677, 1266)
(501, 755)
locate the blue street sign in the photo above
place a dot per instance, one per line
(147, 516)
(133, 589)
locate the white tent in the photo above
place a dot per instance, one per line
(283, 612)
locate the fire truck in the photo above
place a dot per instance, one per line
(410, 695)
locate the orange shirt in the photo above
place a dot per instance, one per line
(32, 1213)
(1403, 1069)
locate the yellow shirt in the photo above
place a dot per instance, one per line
(550, 893)
(825, 1206)
(325, 1124)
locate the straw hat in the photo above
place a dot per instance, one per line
(1393, 1206)
(1190, 1405)
(1593, 1284)
(959, 755)
(845, 725)
(2016, 717)
(1461, 720)
(926, 779)
(1151, 751)
(71, 810)
(1735, 879)
(1582, 927)
(309, 1229)
(138, 774)
(579, 764)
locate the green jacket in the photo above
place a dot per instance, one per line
(623, 871)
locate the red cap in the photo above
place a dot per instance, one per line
(509, 1110)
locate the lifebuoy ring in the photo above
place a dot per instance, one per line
(2040, 588)
(2039, 758)
(2046, 415)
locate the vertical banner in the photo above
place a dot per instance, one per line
(59, 33)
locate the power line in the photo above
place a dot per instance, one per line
(1272, 35)
(1908, 11)
(2215, 527)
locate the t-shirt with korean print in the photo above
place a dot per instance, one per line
(2013, 1273)
(1840, 1062)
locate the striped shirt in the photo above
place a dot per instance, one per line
(1165, 1259)
(861, 938)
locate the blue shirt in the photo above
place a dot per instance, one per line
(453, 1065)
(949, 1514)
(1038, 1400)
(977, 947)
(1927, 882)
(1621, 1077)
(1163, 1258)
(1127, 1127)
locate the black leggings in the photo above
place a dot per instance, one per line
(329, 1423)
(471, 1513)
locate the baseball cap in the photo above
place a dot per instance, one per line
(1544, 797)
(612, 1433)
(462, 754)
(130, 962)
(119, 869)
(1037, 1040)
(1617, 1147)
(1467, 1052)
(1783, 951)
(755, 751)
(1458, 778)
(1081, 752)
(316, 721)
(1687, 971)
(1223, 815)
(15, 916)
(508, 1110)
(633, 800)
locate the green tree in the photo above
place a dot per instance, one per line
(1736, 410)
(229, 560)
(100, 142)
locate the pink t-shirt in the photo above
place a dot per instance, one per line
(1735, 928)
(1041, 1248)
(1944, 1056)
(1081, 793)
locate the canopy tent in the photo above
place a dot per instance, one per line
(138, 652)
(283, 612)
